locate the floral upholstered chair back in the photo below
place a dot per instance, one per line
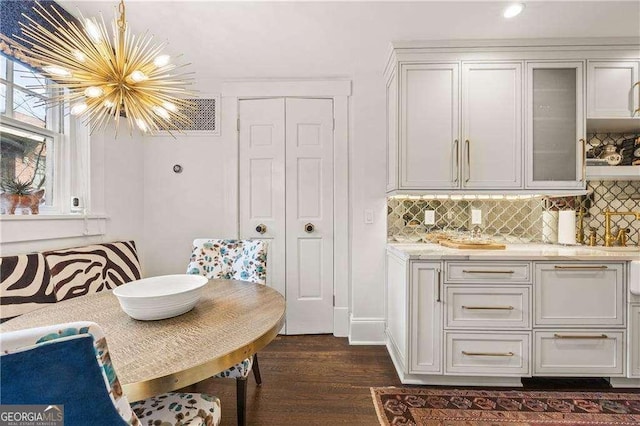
(244, 260)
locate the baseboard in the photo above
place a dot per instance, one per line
(366, 331)
(340, 322)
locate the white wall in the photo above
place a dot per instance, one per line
(117, 191)
(232, 40)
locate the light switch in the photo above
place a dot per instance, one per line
(368, 216)
(429, 217)
(476, 217)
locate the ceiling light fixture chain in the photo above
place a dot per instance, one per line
(122, 22)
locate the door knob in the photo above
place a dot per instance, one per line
(309, 228)
(261, 228)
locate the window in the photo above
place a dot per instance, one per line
(31, 137)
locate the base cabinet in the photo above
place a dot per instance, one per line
(425, 315)
(465, 322)
(634, 341)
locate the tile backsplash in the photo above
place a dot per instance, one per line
(515, 218)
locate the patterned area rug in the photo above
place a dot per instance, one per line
(421, 407)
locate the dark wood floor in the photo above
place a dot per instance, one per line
(309, 380)
(321, 380)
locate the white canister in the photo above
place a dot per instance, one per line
(567, 227)
(550, 226)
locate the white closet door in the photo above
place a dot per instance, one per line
(309, 211)
(262, 181)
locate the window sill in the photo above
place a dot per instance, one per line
(19, 228)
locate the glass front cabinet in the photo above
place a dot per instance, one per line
(555, 125)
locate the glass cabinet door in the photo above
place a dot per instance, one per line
(555, 125)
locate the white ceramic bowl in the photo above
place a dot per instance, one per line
(160, 297)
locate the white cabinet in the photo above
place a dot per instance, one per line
(555, 125)
(437, 150)
(491, 125)
(487, 354)
(429, 126)
(579, 352)
(579, 294)
(482, 307)
(425, 314)
(612, 89)
(634, 341)
(392, 132)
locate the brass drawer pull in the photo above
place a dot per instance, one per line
(487, 353)
(501, 308)
(487, 272)
(580, 336)
(581, 267)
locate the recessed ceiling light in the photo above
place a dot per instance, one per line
(513, 10)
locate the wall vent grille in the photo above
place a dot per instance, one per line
(205, 117)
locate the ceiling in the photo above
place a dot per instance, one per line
(311, 39)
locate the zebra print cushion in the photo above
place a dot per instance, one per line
(25, 284)
(91, 269)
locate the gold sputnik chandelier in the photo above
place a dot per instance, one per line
(103, 77)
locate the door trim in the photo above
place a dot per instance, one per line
(339, 91)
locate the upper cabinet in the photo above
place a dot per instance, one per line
(491, 125)
(429, 126)
(613, 96)
(555, 125)
(443, 148)
(613, 89)
(504, 115)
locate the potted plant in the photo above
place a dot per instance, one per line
(16, 193)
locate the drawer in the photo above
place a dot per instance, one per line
(475, 306)
(481, 354)
(579, 353)
(487, 272)
(578, 294)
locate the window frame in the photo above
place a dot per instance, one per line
(58, 128)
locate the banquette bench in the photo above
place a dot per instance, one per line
(30, 281)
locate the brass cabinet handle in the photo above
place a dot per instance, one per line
(487, 272)
(467, 145)
(584, 160)
(309, 228)
(580, 336)
(636, 111)
(261, 229)
(439, 298)
(487, 353)
(455, 148)
(596, 267)
(499, 308)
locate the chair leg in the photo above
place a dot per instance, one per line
(256, 370)
(241, 400)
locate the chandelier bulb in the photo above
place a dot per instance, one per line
(170, 106)
(161, 61)
(92, 30)
(93, 92)
(161, 112)
(137, 76)
(81, 57)
(142, 125)
(79, 108)
(58, 71)
(108, 104)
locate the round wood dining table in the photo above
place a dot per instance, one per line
(232, 320)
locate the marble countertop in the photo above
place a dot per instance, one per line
(549, 252)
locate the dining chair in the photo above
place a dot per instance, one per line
(244, 260)
(67, 367)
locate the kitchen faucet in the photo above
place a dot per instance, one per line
(621, 237)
